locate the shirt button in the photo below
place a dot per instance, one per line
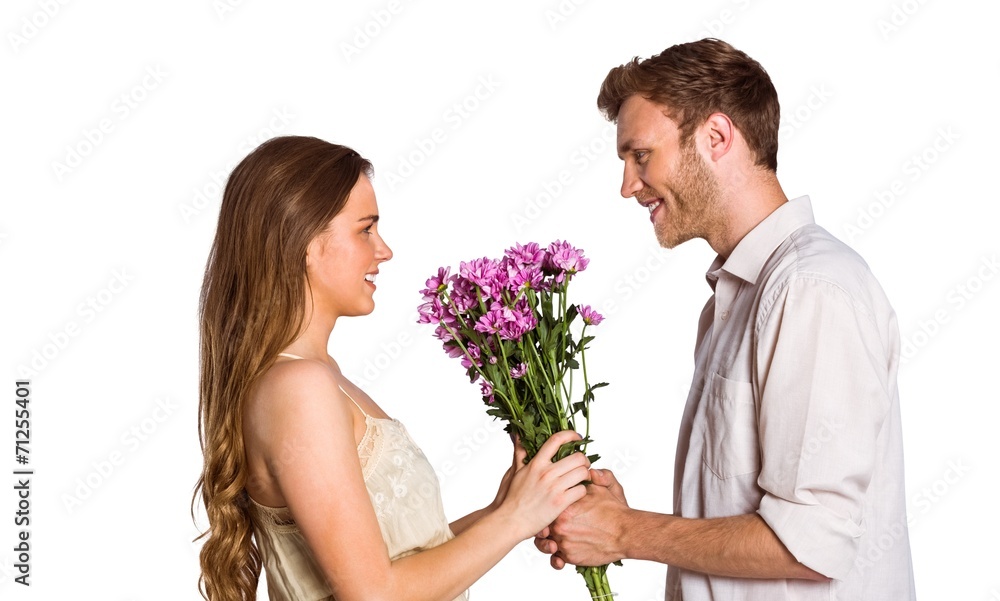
(725, 315)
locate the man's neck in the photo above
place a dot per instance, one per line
(746, 207)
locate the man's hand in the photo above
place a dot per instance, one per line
(590, 531)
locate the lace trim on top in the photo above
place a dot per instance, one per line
(370, 447)
(274, 519)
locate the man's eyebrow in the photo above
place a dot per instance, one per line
(625, 147)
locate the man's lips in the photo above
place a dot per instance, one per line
(652, 205)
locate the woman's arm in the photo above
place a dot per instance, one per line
(325, 491)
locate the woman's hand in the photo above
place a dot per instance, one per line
(539, 491)
(519, 463)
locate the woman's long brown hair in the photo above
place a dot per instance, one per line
(276, 201)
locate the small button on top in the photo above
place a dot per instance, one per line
(725, 315)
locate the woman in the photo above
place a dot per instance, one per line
(304, 474)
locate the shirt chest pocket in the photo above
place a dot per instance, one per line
(730, 428)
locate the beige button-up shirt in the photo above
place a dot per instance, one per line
(794, 414)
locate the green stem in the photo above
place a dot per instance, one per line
(586, 386)
(532, 378)
(512, 407)
(549, 383)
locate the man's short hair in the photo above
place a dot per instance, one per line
(696, 79)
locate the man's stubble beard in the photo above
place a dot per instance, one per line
(697, 207)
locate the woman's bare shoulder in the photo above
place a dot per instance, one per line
(298, 396)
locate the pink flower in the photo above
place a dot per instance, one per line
(453, 350)
(442, 334)
(590, 317)
(526, 277)
(491, 322)
(529, 255)
(463, 294)
(519, 370)
(487, 389)
(565, 257)
(519, 320)
(481, 272)
(474, 353)
(436, 284)
(433, 311)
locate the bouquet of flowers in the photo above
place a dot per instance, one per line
(508, 321)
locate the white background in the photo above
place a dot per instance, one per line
(865, 87)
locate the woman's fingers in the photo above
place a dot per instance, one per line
(551, 446)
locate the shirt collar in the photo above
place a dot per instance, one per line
(749, 256)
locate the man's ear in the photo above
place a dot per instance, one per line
(717, 134)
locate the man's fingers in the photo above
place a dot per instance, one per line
(546, 546)
(557, 562)
(606, 478)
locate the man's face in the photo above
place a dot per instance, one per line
(669, 178)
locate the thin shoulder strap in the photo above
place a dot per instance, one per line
(289, 355)
(352, 400)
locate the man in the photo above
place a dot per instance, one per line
(788, 479)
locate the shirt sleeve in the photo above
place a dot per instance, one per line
(822, 372)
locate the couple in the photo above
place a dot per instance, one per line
(788, 471)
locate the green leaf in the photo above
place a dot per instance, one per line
(571, 314)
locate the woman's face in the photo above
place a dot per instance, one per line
(342, 260)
